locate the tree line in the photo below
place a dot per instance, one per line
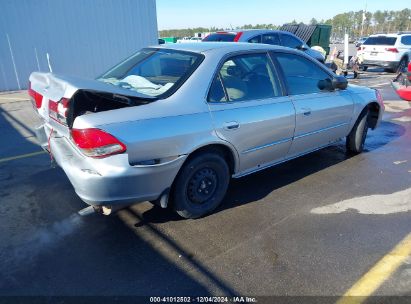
(349, 22)
(377, 22)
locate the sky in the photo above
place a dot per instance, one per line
(177, 14)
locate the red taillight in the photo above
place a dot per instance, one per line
(409, 71)
(393, 50)
(96, 143)
(58, 110)
(238, 36)
(37, 98)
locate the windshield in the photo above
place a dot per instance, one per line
(153, 72)
(380, 40)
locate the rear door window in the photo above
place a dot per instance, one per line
(302, 75)
(271, 39)
(256, 39)
(245, 77)
(380, 40)
(290, 41)
(217, 93)
(406, 40)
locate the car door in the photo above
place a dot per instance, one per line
(249, 110)
(323, 115)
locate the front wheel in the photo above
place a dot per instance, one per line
(356, 139)
(200, 185)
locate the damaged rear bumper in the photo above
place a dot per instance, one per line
(111, 181)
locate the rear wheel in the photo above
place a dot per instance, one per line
(200, 185)
(356, 139)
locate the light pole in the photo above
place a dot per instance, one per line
(363, 19)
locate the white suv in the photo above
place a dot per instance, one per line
(390, 51)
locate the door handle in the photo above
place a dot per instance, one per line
(232, 125)
(306, 111)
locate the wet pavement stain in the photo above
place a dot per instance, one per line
(374, 204)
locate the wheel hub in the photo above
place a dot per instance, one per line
(202, 185)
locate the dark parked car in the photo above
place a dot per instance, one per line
(267, 37)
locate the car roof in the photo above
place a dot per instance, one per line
(384, 35)
(391, 34)
(202, 47)
(250, 31)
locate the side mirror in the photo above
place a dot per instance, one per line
(340, 82)
(325, 85)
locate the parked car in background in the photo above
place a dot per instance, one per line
(390, 51)
(173, 123)
(360, 41)
(267, 37)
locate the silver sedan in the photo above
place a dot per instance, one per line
(173, 124)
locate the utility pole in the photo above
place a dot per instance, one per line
(363, 19)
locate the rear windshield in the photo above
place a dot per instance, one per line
(153, 72)
(380, 40)
(225, 37)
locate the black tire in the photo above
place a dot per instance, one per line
(356, 139)
(364, 68)
(201, 185)
(402, 65)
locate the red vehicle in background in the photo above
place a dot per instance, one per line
(402, 83)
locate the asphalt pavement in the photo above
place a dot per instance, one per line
(311, 227)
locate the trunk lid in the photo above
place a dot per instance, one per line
(63, 98)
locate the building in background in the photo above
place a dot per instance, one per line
(75, 37)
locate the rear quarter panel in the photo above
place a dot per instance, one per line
(164, 138)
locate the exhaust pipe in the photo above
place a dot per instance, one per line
(87, 211)
(105, 210)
